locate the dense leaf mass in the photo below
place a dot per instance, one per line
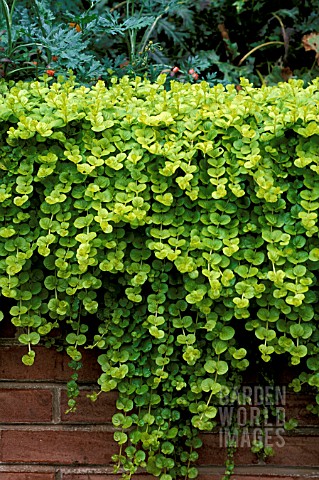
(179, 219)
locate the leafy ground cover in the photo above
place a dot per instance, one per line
(175, 231)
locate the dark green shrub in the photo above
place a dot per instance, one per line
(219, 41)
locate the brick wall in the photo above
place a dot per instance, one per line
(38, 441)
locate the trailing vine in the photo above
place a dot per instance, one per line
(171, 230)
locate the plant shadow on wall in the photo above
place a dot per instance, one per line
(218, 41)
(131, 205)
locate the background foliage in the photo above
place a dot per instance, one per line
(219, 41)
(176, 231)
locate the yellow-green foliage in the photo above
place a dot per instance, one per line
(184, 220)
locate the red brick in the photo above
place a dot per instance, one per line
(25, 406)
(295, 407)
(53, 447)
(102, 476)
(49, 365)
(261, 472)
(89, 476)
(100, 411)
(263, 476)
(26, 476)
(213, 452)
(297, 450)
(216, 473)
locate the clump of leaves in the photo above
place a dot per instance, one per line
(185, 221)
(94, 41)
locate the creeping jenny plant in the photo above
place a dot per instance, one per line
(179, 219)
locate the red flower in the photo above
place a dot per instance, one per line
(191, 71)
(175, 69)
(51, 73)
(195, 76)
(54, 58)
